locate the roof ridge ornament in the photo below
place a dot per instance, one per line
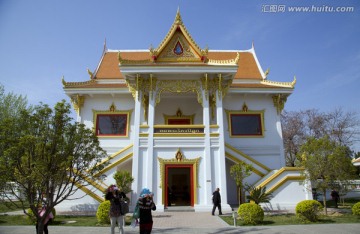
(178, 19)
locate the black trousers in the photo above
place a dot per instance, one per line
(45, 228)
(218, 205)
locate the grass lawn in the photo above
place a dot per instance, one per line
(63, 220)
(343, 215)
(291, 219)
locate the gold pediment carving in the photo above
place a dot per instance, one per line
(178, 46)
(178, 50)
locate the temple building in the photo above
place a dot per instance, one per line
(178, 117)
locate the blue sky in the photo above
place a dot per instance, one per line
(43, 40)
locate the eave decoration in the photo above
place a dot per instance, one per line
(78, 102)
(279, 101)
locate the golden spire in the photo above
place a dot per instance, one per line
(178, 19)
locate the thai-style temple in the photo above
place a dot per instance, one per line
(178, 117)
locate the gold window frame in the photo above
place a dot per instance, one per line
(245, 111)
(112, 111)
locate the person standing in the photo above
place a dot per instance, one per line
(47, 220)
(216, 201)
(115, 196)
(146, 205)
(335, 196)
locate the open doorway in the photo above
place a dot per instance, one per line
(179, 183)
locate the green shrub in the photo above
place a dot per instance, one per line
(102, 213)
(308, 210)
(31, 217)
(251, 213)
(356, 209)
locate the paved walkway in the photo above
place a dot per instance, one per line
(195, 223)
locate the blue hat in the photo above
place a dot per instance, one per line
(145, 192)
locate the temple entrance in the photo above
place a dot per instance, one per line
(179, 190)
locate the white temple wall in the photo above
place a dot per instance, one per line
(103, 103)
(267, 149)
(187, 104)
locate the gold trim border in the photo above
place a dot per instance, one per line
(282, 181)
(194, 162)
(248, 112)
(278, 173)
(128, 114)
(247, 157)
(235, 159)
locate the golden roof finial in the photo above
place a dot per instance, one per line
(293, 82)
(266, 73)
(90, 73)
(178, 19)
(63, 81)
(119, 57)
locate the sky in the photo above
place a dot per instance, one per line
(43, 40)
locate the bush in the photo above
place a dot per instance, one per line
(102, 213)
(356, 209)
(31, 217)
(308, 210)
(251, 213)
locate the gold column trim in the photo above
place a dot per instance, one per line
(205, 85)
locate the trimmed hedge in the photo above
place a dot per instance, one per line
(102, 213)
(356, 209)
(251, 213)
(308, 210)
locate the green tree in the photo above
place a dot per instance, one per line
(326, 163)
(258, 195)
(48, 156)
(124, 180)
(239, 172)
(11, 106)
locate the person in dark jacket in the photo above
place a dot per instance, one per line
(146, 205)
(115, 196)
(216, 201)
(335, 196)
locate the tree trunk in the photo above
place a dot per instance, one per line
(239, 195)
(40, 226)
(324, 201)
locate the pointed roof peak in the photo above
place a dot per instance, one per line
(178, 19)
(178, 37)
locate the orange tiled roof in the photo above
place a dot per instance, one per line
(109, 66)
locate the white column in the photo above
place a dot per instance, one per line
(136, 167)
(281, 142)
(207, 159)
(220, 158)
(150, 149)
